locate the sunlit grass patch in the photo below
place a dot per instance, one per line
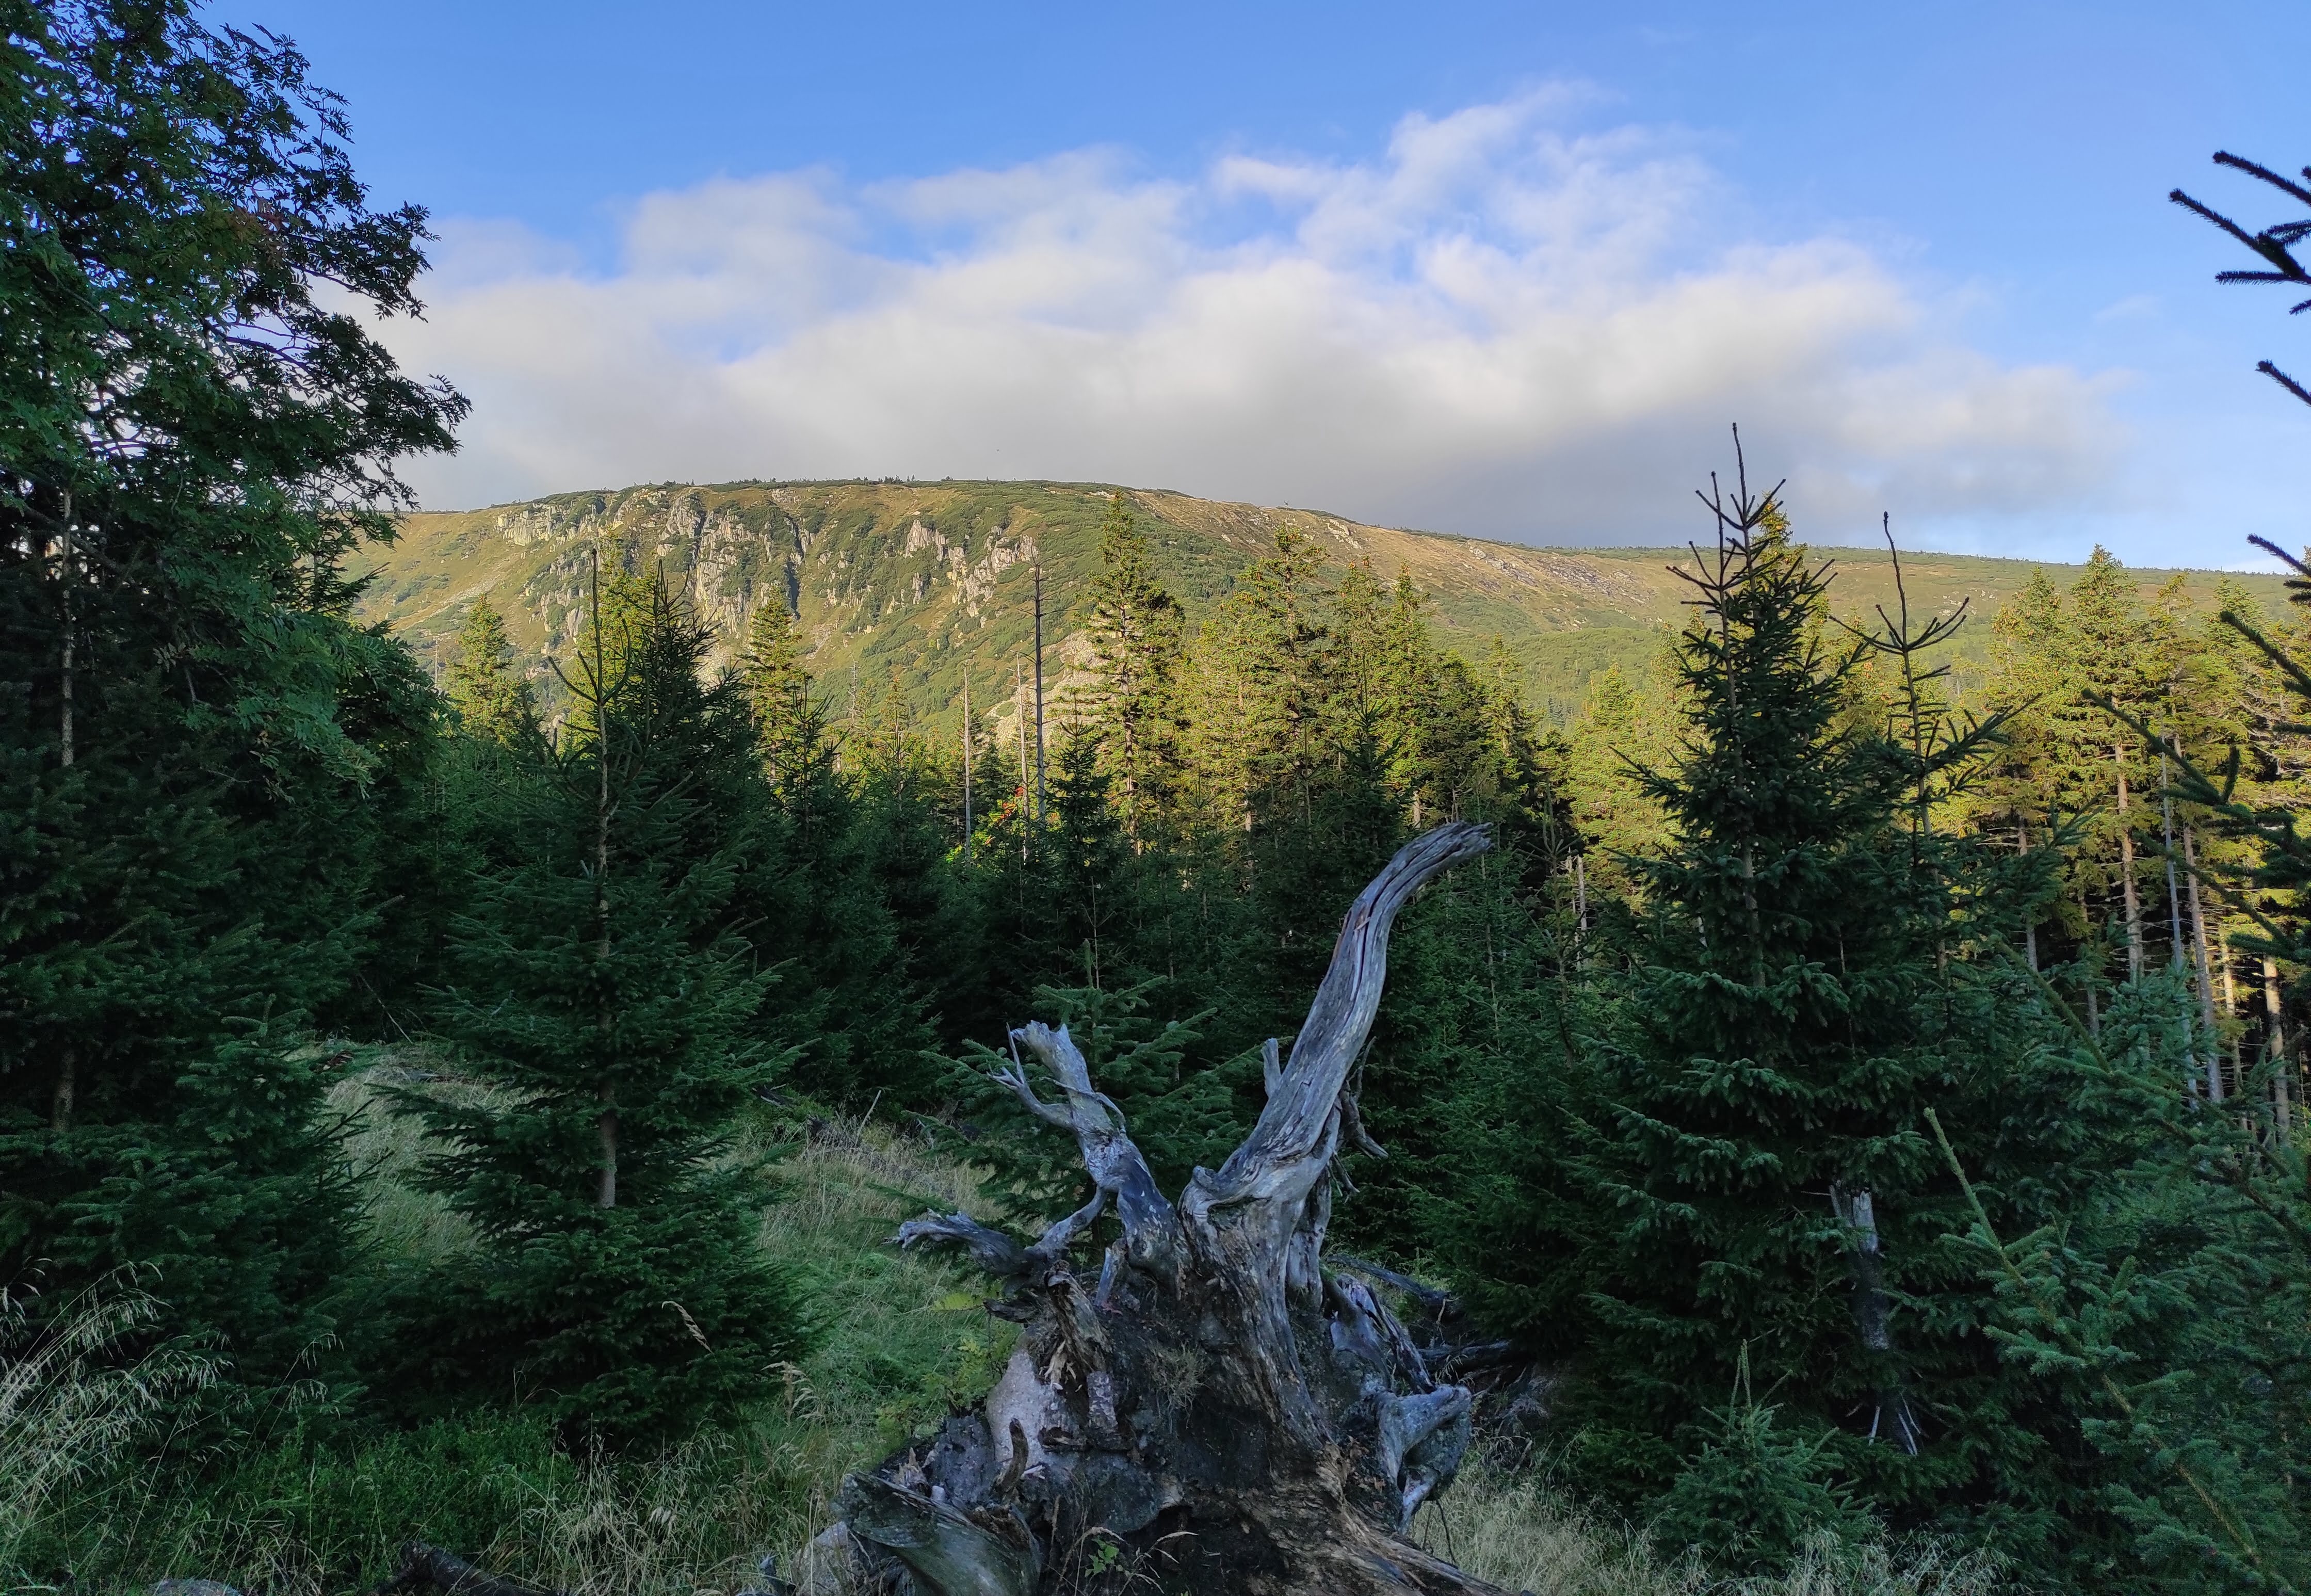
(308, 1507)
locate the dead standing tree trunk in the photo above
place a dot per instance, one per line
(1214, 1411)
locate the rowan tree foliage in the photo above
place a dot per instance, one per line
(201, 754)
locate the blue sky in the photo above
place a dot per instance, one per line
(1479, 267)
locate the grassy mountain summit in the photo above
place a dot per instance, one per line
(921, 583)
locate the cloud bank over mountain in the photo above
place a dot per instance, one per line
(1499, 325)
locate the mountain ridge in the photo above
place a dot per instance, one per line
(929, 581)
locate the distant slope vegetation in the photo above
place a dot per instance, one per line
(923, 582)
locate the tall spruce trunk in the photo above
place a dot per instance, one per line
(2215, 1086)
(1211, 1408)
(2030, 927)
(605, 1091)
(2283, 1069)
(2126, 870)
(67, 1085)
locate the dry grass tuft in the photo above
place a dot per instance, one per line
(1512, 1530)
(70, 1407)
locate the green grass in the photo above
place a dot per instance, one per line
(306, 1507)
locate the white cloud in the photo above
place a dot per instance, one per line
(1496, 327)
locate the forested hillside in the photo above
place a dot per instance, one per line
(571, 1093)
(930, 582)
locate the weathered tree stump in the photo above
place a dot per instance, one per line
(1212, 1409)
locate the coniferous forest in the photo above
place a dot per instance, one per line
(1832, 1129)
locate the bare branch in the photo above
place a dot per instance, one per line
(2255, 169)
(1431, 1299)
(1365, 1323)
(1222, 1379)
(1016, 1078)
(1110, 1156)
(1288, 1149)
(2282, 379)
(1352, 1125)
(1424, 1437)
(424, 1564)
(992, 1250)
(1055, 1242)
(940, 1546)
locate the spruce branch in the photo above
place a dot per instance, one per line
(2084, 1356)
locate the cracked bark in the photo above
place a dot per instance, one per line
(1220, 1411)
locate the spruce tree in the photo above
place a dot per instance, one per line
(2247, 709)
(493, 699)
(1531, 790)
(1622, 731)
(2194, 1267)
(789, 727)
(1094, 880)
(1752, 1183)
(2022, 795)
(1386, 683)
(1139, 635)
(2155, 1320)
(608, 1003)
(2111, 649)
(907, 803)
(1266, 696)
(818, 908)
(2172, 1303)
(1468, 1090)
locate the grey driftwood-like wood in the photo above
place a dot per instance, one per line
(429, 1568)
(1205, 1406)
